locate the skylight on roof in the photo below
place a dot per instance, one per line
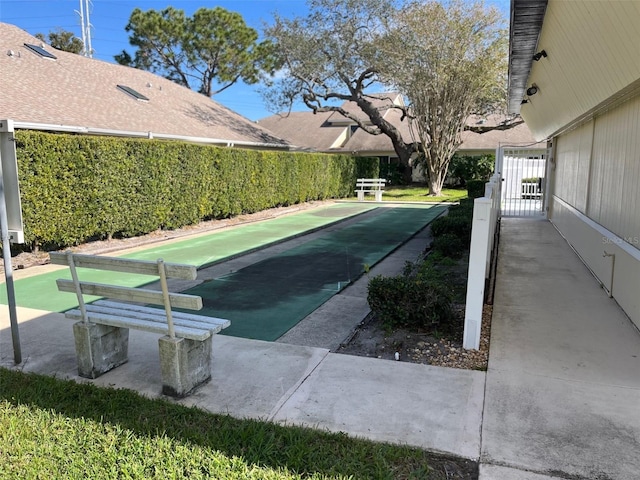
(40, 51)
(135, 94)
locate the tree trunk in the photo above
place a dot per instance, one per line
(435, 180)
(403, 150)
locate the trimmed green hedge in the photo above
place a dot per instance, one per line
(419, 297)
(475, 188)
(77, 188)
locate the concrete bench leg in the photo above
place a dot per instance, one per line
(378, 196)
(184, 363)
(360, 196)
(99, 348)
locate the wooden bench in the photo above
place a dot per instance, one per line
(102, 331)
(370, 185)
(532, 190)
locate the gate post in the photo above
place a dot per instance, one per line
(480, 238)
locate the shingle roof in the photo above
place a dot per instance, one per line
(304, 129)
(77, 91)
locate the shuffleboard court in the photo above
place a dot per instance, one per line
(266, 299)
(40, 291)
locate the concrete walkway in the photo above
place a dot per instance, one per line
(563, 384)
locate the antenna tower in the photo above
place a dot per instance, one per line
(85, 26)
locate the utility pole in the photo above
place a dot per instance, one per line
(85, 27)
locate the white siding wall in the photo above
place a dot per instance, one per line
(593, 52)
(597, 192)
(616, 170)
(573, 160)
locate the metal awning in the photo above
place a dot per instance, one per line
(524, 31)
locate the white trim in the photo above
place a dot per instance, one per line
(619, 241)
(134, 134)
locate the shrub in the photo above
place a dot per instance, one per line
(418, 297)
(449, 245)
(464, 209)
(465, 168)
(475, 188)
(457, 225)
(393, 172)
(466, 203)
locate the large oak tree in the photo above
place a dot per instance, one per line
(453, 63)
(447, 60)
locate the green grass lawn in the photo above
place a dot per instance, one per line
(54, 429)
(419, 193)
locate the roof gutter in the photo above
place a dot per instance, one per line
(50, 127)
(526, 21)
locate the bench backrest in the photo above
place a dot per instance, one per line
(371, 182)
(126, 265)
(129, 294)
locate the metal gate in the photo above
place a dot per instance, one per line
(524, 181)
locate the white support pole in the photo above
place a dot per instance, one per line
(8, 274)
(76, 283)
(11, 228)
(165, 296)
(477, 273)
(499, 160)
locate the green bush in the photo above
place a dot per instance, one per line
(463, 209)
(75, 188)
(419, 297)
(449, 245)
(393, 172)
(466, 203)
(458, 225)
(464, 168)
(475, 188)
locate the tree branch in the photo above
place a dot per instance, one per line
(501, 126)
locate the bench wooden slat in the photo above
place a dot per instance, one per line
(141, 323)
(139, 295)
(179, 318)
(370, 184)
(125, 265)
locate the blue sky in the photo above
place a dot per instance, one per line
(109, 17)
